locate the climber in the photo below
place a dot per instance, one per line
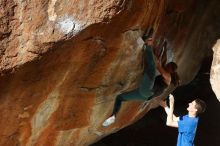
(151, 85)
(186, 124)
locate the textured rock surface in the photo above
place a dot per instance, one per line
(215, 70)
(63, 62)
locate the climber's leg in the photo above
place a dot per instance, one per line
(118, 101)
(132, 95)
(146, 85)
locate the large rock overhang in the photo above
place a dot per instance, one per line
(63, 63)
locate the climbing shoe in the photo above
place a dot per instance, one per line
(109, 121)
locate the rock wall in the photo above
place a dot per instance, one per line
(215, 70)
(63, 62)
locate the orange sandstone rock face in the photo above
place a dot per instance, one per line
(64, 62)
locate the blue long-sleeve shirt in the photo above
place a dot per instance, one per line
(187, 130)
